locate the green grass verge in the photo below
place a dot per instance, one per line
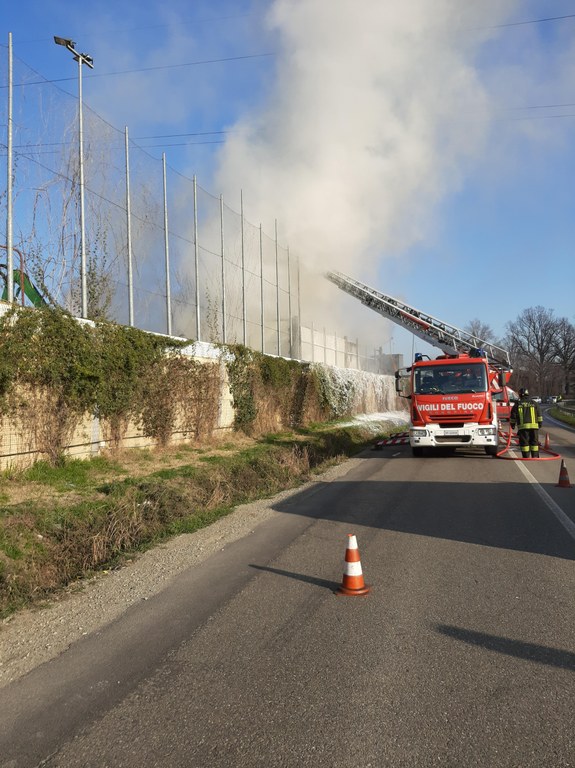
(93, 514)
(560, 415)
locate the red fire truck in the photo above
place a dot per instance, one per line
(452, 397)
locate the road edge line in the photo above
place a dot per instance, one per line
(564, 519)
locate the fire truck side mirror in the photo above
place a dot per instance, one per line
(399, 385)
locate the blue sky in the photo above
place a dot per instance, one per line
(425, 148)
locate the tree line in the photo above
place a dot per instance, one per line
(541, 347)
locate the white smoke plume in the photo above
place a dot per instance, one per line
(375, 111)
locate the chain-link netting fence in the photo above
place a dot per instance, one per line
(160, 252)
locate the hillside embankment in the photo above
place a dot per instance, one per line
(211, 432)
(88, 573)
(63, 524)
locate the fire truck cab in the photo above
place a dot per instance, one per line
(451, 402)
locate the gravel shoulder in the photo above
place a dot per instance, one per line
(32, 637)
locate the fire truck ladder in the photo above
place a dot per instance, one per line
(449, 339)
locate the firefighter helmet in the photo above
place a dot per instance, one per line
(523, 392)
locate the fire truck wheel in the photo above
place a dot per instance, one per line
(417, 451)
(491, 450)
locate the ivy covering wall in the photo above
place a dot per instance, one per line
(56, 371)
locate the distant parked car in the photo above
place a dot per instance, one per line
(536, 399)
(552, 399)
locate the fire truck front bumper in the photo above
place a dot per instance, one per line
(452, 438)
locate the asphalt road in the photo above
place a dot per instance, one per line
(462, 654)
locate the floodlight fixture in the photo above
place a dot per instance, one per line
(64, 41)
(81, 58)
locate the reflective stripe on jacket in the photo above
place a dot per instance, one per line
(526, 415)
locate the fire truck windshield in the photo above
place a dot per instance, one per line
(458, 378)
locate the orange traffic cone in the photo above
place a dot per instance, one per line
(352, 583)
(546, 445)
(563, 477)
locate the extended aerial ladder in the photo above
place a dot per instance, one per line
(446, 337)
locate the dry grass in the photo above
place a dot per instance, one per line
(58, 525)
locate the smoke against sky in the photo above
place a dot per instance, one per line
(357, 142)
(416, 165)
(375, 115)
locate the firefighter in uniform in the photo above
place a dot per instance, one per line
(526, 415)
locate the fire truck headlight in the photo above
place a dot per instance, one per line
(418, 432)
(487, 431)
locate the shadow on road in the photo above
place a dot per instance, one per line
(541, 654)
(504, 515)
(331, 585)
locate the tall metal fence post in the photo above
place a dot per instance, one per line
(312, 343)
(224, 335)
(245, 328)
(167, 251)
(196, 260)
(289, 308)
(335, 346)
(83, 277)
(9, 212)
(262, 290)
(277, 290)
(129, 231)
(299, 322)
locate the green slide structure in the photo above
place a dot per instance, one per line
(30, 290)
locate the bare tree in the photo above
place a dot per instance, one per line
(50, 241)
(532, 343)
(564, 345)
(480, 331)
(98, 280)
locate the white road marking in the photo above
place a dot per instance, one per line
(565, 521)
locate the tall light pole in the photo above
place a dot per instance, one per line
(81, 58)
